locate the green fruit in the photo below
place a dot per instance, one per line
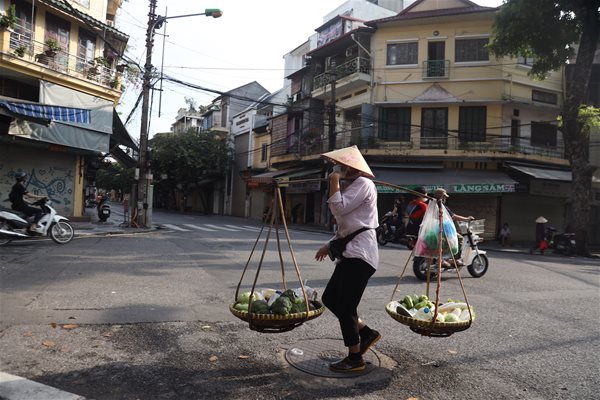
(423, 297)
(430, 304)
(408, 302)
(241, 306)
(415, 298)
(420, 305)
(451, 318)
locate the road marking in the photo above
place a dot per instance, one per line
(175, 227)
(246, 228)
(220, 227)
(199, 227)
(14, 387)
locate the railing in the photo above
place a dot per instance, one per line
(497, 144)
(23, 46)
(353, 66)
(436, 68)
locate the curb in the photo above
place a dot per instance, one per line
(14, 387)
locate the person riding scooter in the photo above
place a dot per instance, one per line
(17, 197)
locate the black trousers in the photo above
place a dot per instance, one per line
(343, 293)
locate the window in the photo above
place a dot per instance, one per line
(471, 50)
(472, 124)
(86, 49)
(395, 124)
(528, 61)
(544, 97)
(543, 134)
(263, 152)
(402, 53)
(434, 128)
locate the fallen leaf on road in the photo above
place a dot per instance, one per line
(206, 327)
(107, 334)
(413, 398)
(53, 324)
(64, 349)
(452, 351)
(213, 358)
(28, 334)
(48, 343)
(70, 326)
(71, 318)
(243, 357)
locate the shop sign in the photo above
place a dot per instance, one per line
(483, 188)
(304, 187)
(461, 189)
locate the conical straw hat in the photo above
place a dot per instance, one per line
(350, 157)
(541, 220)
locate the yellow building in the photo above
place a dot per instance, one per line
(61, 69)
(428, 105)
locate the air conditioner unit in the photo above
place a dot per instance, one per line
(110, 23)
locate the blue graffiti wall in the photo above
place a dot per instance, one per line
(48, 174)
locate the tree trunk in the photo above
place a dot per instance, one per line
(577, 142)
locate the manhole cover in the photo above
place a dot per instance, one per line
(314, 357)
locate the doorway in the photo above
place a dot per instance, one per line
(436, 59)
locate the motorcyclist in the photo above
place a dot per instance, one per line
(397, 220)
(17, 197)
(416, 210)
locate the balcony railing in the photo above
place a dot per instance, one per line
(353, 66)
(23, 46)
(436, 68)
(491, 145)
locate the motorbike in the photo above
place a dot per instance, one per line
(90, 202)
(474, 259)
(563, 243)
(14, 225)
(387, 232)
(103, 210)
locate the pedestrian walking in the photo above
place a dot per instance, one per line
(541, 241)
(505, 235)
(355, 211)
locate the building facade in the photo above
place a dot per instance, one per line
(61, 70)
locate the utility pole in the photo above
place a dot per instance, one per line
(144, 192)
(332, 79)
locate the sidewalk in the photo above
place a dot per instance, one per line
(89, 224)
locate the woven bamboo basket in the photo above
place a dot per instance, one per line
(426, 328)
(274, 323)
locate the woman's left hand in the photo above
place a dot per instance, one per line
(322, 253)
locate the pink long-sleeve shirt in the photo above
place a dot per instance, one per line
(353, 208)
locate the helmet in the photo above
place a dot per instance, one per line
(20, 175)
(421, 190)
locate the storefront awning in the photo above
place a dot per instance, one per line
(267, 177)
(543, 173)
(120, 134)
(45, 112)
(454, 181)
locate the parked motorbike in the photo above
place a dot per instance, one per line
(387, 232)
(90, 202)
(103, 210)
(474, 259)
(14, 224)
(563, 243)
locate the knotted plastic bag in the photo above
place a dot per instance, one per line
(429, 232)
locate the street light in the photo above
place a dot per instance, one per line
(143, 193)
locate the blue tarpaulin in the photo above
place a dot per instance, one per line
(46, 112)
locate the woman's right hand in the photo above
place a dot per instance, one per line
(322, 253)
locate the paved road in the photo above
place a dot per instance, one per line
(152, 321)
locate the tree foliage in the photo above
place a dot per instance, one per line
(112, 175)
(550, 31)
(185, 159)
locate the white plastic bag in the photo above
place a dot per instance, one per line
(427, 241)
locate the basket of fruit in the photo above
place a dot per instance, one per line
(274, 311)
(420, 314)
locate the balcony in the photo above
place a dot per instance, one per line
(445, 144)
(24, 47)
(436, 69)
(354, 66)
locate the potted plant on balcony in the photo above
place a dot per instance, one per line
(20, 51)
(96, 66)
(52, 47)
(8, 21)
